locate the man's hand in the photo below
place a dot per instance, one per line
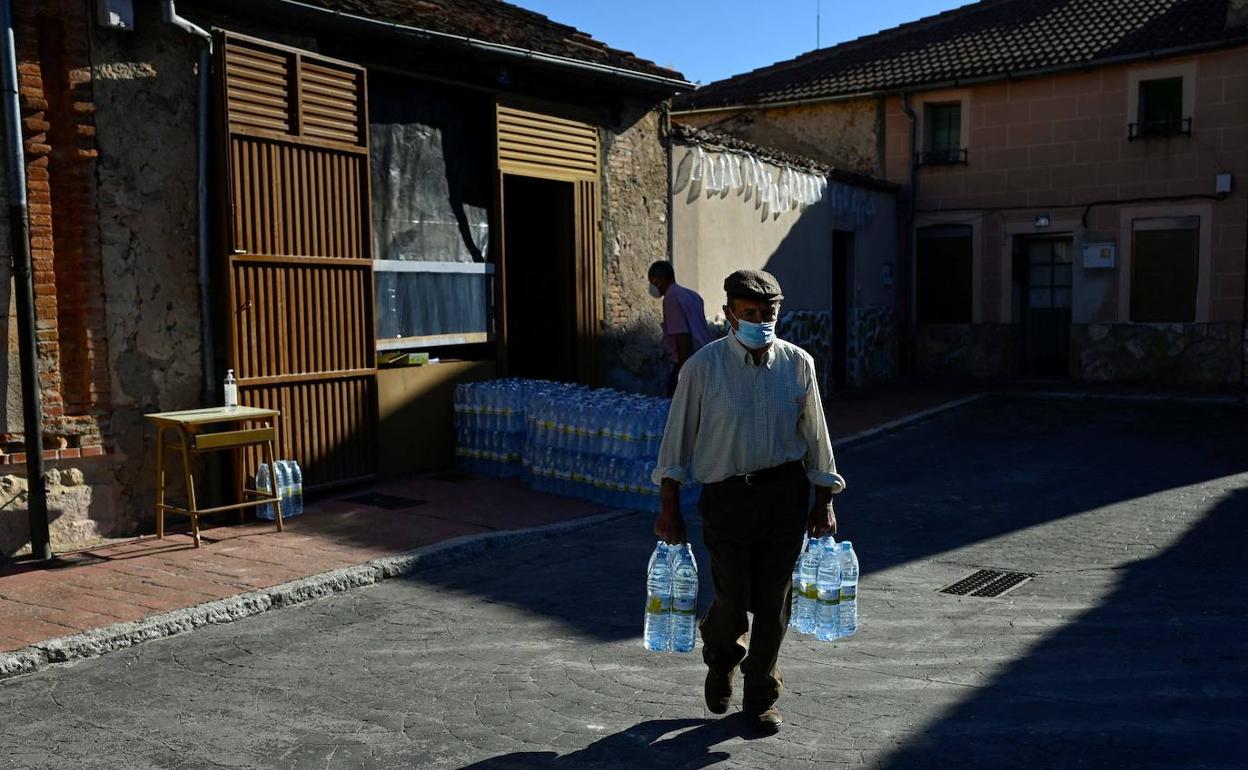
(822, 519)
(670, 526)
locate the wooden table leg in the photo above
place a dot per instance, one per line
(192, 509)
(274, 485)
(160, 482)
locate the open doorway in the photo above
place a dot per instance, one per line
(842, 294)
(539, 256)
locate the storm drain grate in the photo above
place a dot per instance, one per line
(386, 502)
(988, 582)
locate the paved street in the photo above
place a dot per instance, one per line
(1126, 651)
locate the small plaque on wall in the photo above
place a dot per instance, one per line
(1099, 255)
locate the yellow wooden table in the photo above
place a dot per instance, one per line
(251, 427)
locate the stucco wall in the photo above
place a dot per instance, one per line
(844, 135)
(715, 234)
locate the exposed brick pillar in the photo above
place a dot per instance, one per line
(54, 69)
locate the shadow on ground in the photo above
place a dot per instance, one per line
(977, 473)
(1156, 675)
(656, 744)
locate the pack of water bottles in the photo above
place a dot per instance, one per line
(289, 483)
(597, 444)
(825, 589)
(670, 623)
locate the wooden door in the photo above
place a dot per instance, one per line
(541, 146)
(299, 269)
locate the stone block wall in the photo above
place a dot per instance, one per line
(965, 351)
(873, 346)
(1192, 354)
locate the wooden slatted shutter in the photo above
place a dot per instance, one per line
(548, 147)
(300, 271)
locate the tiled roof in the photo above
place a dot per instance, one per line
(693, 135)
(494, 21)
(992, 37)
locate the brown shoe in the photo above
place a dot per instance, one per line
(768, 721)
(718, 691)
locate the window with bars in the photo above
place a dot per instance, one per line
(944, 274)
(943, 134)
(1160, 109)
(1165, 257)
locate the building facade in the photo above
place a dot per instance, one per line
(1076, 178)
(361, 162)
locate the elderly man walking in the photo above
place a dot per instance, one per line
(747, 421)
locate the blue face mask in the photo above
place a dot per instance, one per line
(755, 336)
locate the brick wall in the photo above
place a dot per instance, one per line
(57, 107)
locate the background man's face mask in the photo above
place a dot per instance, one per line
(654, 291)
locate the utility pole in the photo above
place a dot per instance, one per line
(818, 24)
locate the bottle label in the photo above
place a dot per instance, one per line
(683, 607)
(849, 593)
(811, 592)
(658, 605)
(830, 600)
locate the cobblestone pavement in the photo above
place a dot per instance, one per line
(1126, 650)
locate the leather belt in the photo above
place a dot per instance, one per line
(766, 475)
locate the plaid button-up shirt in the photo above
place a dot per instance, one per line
(730, 416)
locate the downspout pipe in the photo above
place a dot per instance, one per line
(23, 286)
(206, 343)
(906, 273)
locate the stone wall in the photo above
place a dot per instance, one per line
(635, 234)
(959, 351)
(1202, 354)
(873, 349)
(138, 208)
(845, 135)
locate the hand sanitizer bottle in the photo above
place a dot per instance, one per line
(231, 390)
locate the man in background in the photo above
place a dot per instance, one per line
(684, 318)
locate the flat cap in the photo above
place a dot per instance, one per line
(753, 284)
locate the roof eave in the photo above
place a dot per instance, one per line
(500, 49)
(977, 80)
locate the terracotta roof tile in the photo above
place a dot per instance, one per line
(495, 21)
(988, 38)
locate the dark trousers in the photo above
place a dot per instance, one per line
(754, 535)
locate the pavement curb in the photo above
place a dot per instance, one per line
(904, 422)
(1059, 395)
(119, 636)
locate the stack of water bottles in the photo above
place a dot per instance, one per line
(289, 484)
(825, 589)
(490, 425)
(600, 445)
(670, 623)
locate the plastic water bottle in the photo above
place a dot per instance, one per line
(797, 584)
(296, 485)
(684, 599)
(263, 484)
(657, 631)
(810, 593)
(849, 588)
(828, 585)
(283, 484)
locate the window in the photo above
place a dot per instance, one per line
(943, 134)
(431, 209)
(943, 274)
(1160, 109)
(1164, 260)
